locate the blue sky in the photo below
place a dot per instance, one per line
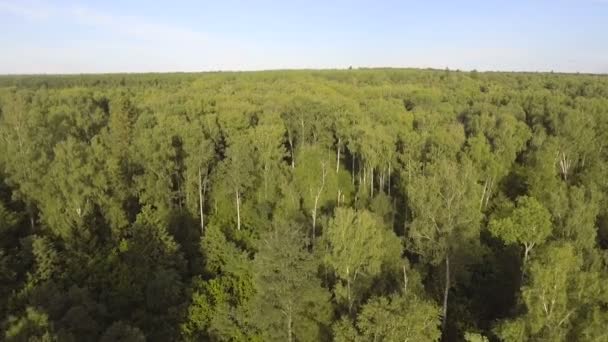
(138, 36)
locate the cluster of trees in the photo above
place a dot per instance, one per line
(355, 205)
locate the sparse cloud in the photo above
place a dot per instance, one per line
(124, 25)
(126, 42)
(133, 26)
(26, 10)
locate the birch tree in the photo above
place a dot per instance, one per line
(554, 296)
(529, 224)
(316, 182)
(358, 245)
(236, 172)
(199, 162)
(446, 215)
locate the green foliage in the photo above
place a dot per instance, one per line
(297, 205)
(555, 295)
(474, 337)
(399, 319)
(123, 332)
(290, 295)
(529, 224)
(445, 208)
(358, 245)
(33, 326)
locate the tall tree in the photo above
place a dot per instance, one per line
(26, 146)
(295, 306)
(358, 245)
(315, 181)
(554, 296)
(529, 224)
(267, 137)
(200, 152)
(237, 171)
(446, 215)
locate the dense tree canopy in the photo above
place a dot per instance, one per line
(346, 205)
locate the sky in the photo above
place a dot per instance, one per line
(68, 36)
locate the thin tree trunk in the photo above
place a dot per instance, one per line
(317, 197)
(490, 189)
(314, 223)
(238, 211)
(265, 181)
(527, 250)
(30, 213)
(353, 168)
(338, 157)
(384, 179)
(483, 194)
(446, 293)
(302, 131)
(564, 164)
(364, 176)
(289, 327)
(293, 157)
(201, 201)
(350, 305)
(371, 182)
(404, 281)
(389, 178)
(409, 171)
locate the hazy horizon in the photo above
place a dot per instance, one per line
(74, 37)
(162, 72)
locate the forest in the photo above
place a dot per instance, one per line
(304, 205)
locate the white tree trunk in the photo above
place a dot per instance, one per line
(293, 157)
(265, 181)
(364, 177)
(446, 293)
(483, 194)
(316, 203)
(371, 183)
(564, 164)
(527, 249)
(201, 200)
(404, 281)
(338, 157)
(350, 303)
(389, 178)
(314, 221)
(289, 327)
(238, 211)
